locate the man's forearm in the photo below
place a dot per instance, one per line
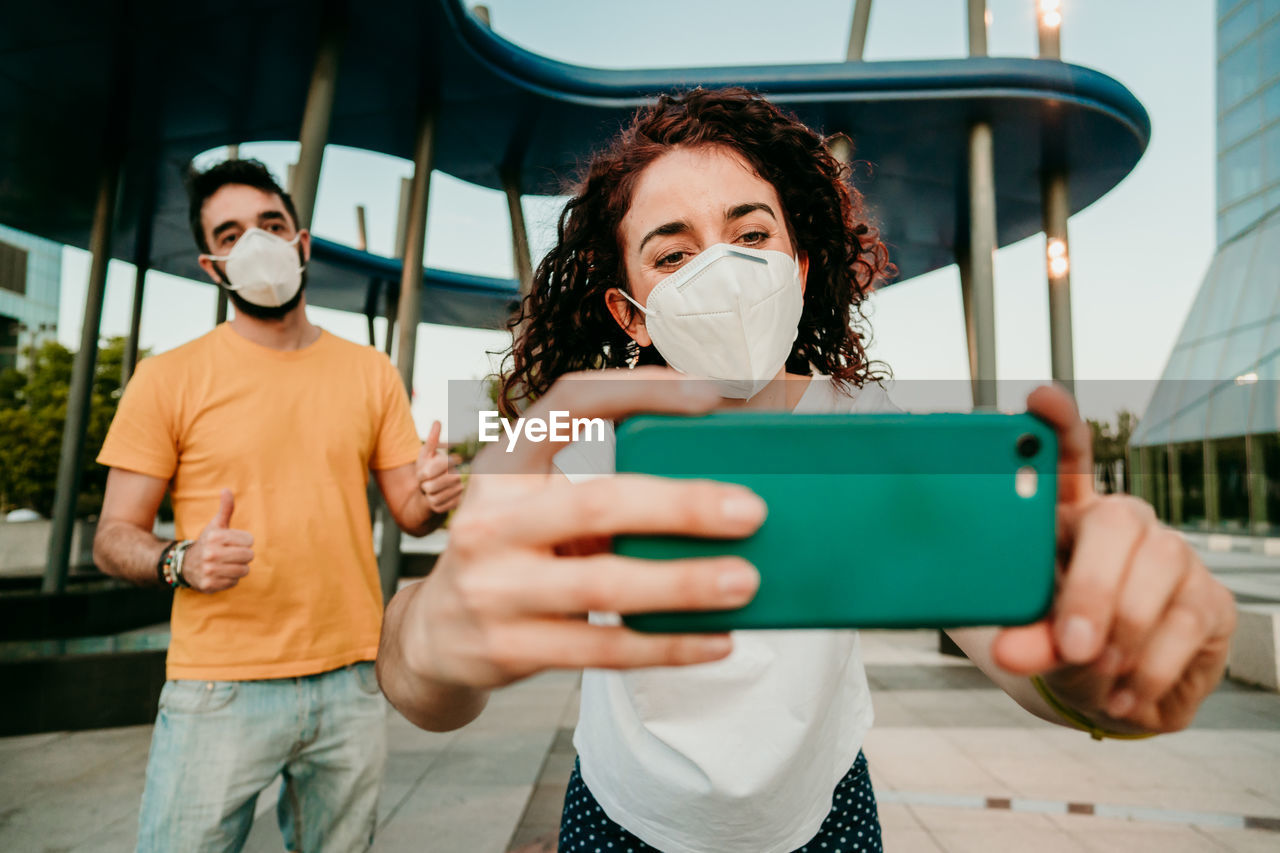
(426, 703)
(417, 517)
(124, 551)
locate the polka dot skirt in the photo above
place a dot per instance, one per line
(852, 826)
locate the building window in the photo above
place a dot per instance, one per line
(1270, 50)
(1238, 75)
(1239, 123)
(1188, 498)
(13, 268)
(1240, 172)
(1266, 447)
(1238, 27)
(1160, 482)
(9, 328)
(1232, 481)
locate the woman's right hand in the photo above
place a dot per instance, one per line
(528, 558)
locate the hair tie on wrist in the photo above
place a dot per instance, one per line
(1078, 720)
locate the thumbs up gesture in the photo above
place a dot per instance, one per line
(222, 554)
(437, 474)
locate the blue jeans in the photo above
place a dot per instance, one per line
(218, 744)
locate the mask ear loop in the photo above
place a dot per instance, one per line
(633, 346)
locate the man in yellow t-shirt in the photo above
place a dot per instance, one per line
(264, 431)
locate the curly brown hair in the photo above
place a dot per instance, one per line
(564, 324)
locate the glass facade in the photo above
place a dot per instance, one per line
(30, 283)
(1207, 450)
(1248, 113)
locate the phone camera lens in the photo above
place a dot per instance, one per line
(1028, 445)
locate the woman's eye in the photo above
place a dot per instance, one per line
(670, 260)
(753, 237)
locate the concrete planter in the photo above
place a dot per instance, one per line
(24, 546)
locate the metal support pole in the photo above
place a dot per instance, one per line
(966, 298)
(858, 30)
(409, 311)
(1049, 28)
(220, 313)
(141, 263)
(519, 234)
(977, 259)
(315, 119)
(982, 250)
(362, 231)
(1056, 210)
(129, 360)
(977, 27)
(78, 399)
(402, 225)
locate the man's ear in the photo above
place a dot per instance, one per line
(304, 242)
(210, 269)
(802, 261)
(626, 315)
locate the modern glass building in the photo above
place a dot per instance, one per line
(30, 279)
(1207, 451)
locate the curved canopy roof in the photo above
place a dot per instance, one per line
(175, 79)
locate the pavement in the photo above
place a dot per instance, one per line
(957, 766)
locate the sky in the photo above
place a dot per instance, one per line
(1137, 255)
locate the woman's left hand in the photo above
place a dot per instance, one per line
(1138, 633)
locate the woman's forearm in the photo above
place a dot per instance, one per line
(423, 700)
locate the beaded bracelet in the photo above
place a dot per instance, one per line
(164, 565)
(1078, 720)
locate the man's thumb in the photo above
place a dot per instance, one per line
(433, 440)
(225, 508)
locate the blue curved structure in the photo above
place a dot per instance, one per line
(179, 79)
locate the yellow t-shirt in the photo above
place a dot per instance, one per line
(293, 435)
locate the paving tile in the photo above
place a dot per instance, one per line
(901, 840)
(1244, 840)
(922, 759)
(1105, 835)
(463, 818)
(1006, 839)
(118, 837)
(492, 757)
(945, 818)
(897, 816)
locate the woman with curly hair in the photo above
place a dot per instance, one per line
(718, 236)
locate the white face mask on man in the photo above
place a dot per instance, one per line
(262, 268)
(730, 314)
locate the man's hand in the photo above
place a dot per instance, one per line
(437, 473)
(222, 554)
(1139, 630)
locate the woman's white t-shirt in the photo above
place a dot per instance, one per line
(737, 756)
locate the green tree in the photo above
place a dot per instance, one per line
(33, 409)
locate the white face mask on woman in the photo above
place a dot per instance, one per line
(262, 268)
(730, 314)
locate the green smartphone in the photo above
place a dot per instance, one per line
(875, 520)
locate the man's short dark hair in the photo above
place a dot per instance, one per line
(250, 173)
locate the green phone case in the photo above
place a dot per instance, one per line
(879, 520)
